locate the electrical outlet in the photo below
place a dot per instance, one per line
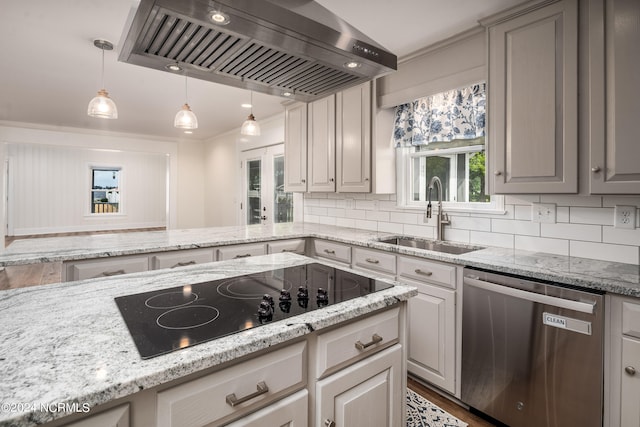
(543, 212)
(625, 217)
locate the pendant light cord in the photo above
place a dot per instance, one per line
(102, 75)
(186, 93)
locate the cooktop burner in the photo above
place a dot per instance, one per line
(170, 319)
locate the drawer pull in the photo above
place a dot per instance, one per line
(330, 251)
(242, 256)
(424, 273)
(372, 261)
(329, 423)
(183, 264)
(375, 339)
(234, 401)
(630, 370)
(112, 273)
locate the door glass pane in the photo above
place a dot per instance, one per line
(282, 202)
(254, 203)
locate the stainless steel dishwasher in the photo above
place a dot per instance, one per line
(532, 352)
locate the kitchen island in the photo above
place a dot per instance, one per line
(66, 351)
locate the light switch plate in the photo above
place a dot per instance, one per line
(625, 217)
(543, 212)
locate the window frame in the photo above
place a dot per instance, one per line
(92, 169)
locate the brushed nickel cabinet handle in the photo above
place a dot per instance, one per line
(595, 169)
(330, 251)
(329, 423)
(372, 261)
(630, 370)
(424, 273)
(304, 180)
(183, 264)
(375, 339)
(242, 256)
(112, 273)
(232, 400)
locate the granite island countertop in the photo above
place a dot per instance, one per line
(57, 348)
(604, 276)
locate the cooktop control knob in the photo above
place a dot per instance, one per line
(322, 298)
(303, 293)
(285, 306)
(285, 295)
(268, 298)
(264, 311)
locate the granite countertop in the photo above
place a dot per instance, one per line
(56, 348)
(600, 275)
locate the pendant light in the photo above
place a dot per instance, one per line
(185, 118)
(102, 106)
(250, 126)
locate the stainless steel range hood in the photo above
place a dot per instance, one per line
(279, 47)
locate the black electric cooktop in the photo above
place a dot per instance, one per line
(170, 319)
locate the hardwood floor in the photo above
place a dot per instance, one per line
(446, 404)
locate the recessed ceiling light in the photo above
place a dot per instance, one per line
(245, 105)
(352, 64)
(219, 18)
(188, 131)
(173, 67)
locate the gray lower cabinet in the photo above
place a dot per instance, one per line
(241, 251)
(116, 417)
(614, 67)
(175, 259)
(533, 98)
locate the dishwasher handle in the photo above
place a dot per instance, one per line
(584, 307)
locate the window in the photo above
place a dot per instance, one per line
(443, 135)
(105, 190)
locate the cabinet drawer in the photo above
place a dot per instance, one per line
(181, 258)
(289, 412)
(631, 319)
(116, 417)
(374, 260)
(105, 267)
(208, 399)
(427, 271)
(332, 251)
(241, 251)
(356, 341)
(297, 246)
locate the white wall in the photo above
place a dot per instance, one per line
(190, 186)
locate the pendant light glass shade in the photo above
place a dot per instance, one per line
(102, 106)
(185, 118)
(250, 127)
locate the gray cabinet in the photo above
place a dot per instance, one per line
(321, 145)
(295, 148)
(614, 92)
(533, 98)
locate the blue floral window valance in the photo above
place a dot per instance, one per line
(447, 116)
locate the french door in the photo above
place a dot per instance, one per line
(264, 200)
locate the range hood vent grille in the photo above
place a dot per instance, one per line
(163, 36)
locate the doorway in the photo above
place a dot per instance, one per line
(264, 200)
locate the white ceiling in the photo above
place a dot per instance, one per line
(50, 69)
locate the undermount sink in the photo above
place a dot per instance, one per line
(431, 245)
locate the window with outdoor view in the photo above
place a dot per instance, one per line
(443, 135)
(105, 190)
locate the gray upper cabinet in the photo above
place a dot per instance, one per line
(533, 98)
(295, 147)
(614, 102)
(322, 145)
(353, 139)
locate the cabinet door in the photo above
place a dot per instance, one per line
(116, 417)
(289, 412)
(630, 393)
(182, 258)
(295, 148)
(322, 144)
(241, 251)
(614, 67)
(533, 118)
(367, 394)
(432, 333)
(353, 139)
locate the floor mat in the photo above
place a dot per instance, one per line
(422, 413)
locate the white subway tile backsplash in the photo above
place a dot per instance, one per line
(523, 212)
(378, 216)
(590, 233)
(419, 231)
(605, 251)
(311, 218)
(612, 201)
(405, 217)
(338, 213)
(346, 222)
(366, 225)
(456, 235)
(377, 196)
(365, 204)
(469, 223)
(327, 220)
(621, 236)
(356, 214)
(571, 200)
(387, 205)
(317, 210)
(562, 214)
(390, 227)
(526, 228)
(521, 199)
(484, 238)
(597, 216)
(327, 203)
(542, 244)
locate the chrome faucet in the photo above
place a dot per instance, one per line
(442, 218)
